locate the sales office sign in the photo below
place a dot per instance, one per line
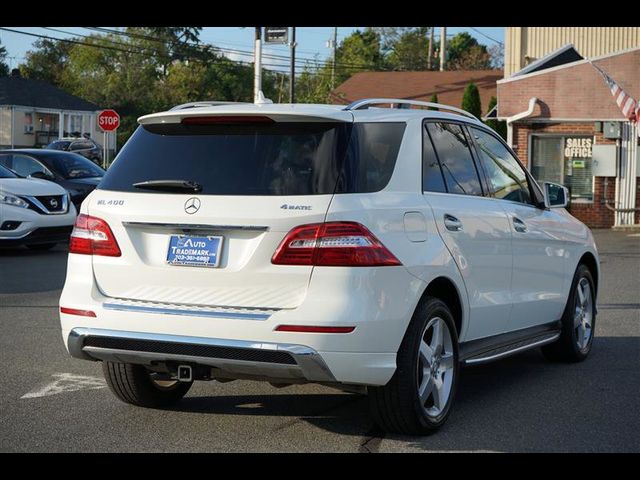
(578, 147)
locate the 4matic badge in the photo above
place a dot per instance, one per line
(286, 206)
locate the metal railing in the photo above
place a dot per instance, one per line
(366, 102)
(206, 104)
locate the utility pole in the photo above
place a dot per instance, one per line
(257, 62)
(292, 67)
(333, 59)
(431, 41)
(443, 47)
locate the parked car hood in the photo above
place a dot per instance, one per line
(30, 186)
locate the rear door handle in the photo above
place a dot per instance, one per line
(519, 225)
(452, 223)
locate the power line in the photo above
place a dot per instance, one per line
(230, 50)
(486, 36)
(66, 40)
(314, 69)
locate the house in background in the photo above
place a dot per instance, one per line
(524, 45)
(448, 85)
(33, 113)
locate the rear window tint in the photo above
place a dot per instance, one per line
(283, 158)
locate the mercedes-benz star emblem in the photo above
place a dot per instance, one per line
(192, 205)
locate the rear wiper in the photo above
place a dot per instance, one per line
(169, 185)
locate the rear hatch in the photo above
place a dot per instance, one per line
(211, 244)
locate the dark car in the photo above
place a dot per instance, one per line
(69, 170)
(84, 146)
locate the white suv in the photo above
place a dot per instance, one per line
(372, 249)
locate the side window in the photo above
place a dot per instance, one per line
(80, 146)
(507, 177)
(26, 166)
(6, 160)
(432, 179)
(456, 162)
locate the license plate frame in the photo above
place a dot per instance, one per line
(195, 260)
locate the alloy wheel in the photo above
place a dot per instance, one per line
(583, 316)
(435, 367)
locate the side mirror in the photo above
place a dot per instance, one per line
(555, 196)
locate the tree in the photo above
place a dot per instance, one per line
(47, 61)
(499, 126)
(358, 52)
(434, 99)
(471, 100)
(465, 53)
(172, 43)
(409, 50)
(314, 86)
(4, 68)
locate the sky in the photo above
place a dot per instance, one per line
(311, 41)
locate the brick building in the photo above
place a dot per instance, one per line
(565, 126)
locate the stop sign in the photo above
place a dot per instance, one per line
(108, 120)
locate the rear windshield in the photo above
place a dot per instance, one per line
(59, 145)
(283, 158)
(72, 166)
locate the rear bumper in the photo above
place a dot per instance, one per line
(230, 357)
(379, 303)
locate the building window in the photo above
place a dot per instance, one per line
(28, 123)
(565, 160)
(75, 124)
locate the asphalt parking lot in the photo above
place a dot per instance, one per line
(50, 402)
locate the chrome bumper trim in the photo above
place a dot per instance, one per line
(309, 364)
(202, 312)
(190, 226)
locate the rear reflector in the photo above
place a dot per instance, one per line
(337, 244)
(74, 311)
(92, 236)
(226, 119)
(311, 329)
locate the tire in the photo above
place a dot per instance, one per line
(578, 321)
(133, 384)
(397, 407)
(41, 246)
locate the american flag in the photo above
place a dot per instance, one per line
(629, 106)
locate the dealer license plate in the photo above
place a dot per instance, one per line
(194, 251)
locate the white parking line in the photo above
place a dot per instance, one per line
(66, 382)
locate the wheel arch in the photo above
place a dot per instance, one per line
(589, 260)
(446, 290)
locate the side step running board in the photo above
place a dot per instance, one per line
(507, 350)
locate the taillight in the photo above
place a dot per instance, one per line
(333, 244)
(92, 236)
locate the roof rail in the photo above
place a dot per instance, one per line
(212, 103)
(358, 104)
